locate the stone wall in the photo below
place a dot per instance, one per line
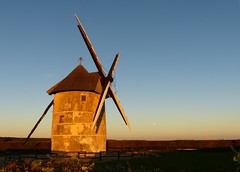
(45, 144)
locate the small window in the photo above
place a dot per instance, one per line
(61, 118)
(83, 98)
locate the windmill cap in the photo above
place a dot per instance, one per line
(78, 80)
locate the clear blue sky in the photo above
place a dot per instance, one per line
(178, 76)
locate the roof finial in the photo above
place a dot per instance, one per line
(80, 60)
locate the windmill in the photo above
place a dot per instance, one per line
(79, 117)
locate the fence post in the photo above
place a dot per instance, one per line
(8, 156)
(118, 155)
(100, 155)
(19, 158)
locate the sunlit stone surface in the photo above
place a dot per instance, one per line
(73, 114)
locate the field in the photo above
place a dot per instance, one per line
(162, 156)
(176, 161)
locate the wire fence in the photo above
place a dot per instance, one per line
(98, 156)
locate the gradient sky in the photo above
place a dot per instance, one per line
(177, 76)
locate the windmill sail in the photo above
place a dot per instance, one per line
(101, 72)
(119, 106)
(100, 105)
(106, 89)
(90, 48)
(38, 122)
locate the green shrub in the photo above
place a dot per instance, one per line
(236, 157)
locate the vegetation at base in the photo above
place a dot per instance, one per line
(236, 158)
(177, 161)
(53, 165)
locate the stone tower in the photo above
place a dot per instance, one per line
(75, 101)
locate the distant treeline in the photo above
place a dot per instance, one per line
(9, 143)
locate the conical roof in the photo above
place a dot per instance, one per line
(78, 80)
